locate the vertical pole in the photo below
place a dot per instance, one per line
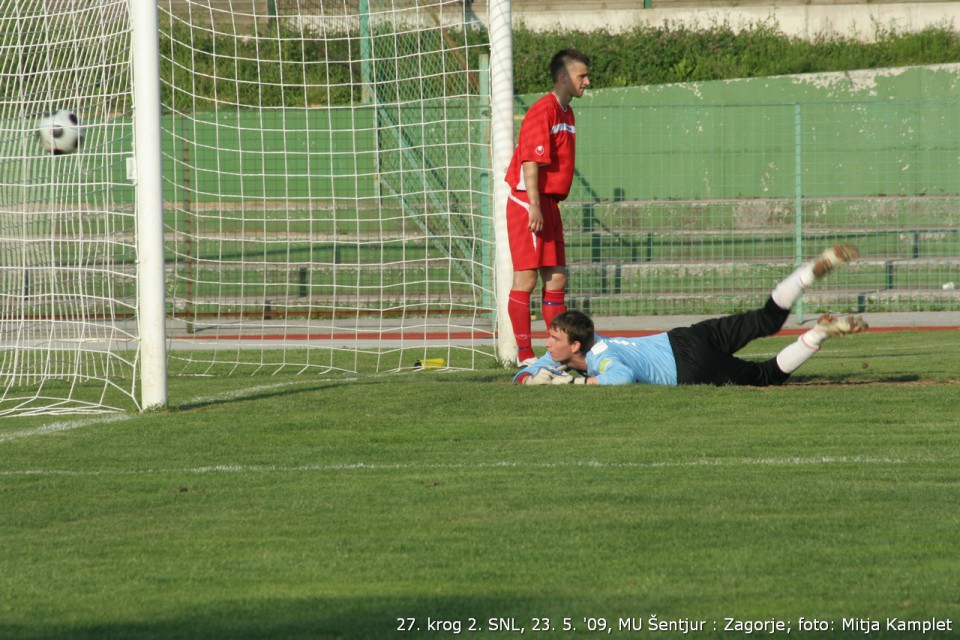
(486, 212)
(368, 95)
(149, 202)
(798, 198)
(366, 54)
(502, 142)
(189, 232)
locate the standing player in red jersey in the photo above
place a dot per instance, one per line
(540, 175)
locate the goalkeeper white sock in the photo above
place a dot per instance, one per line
(795, 354)
(788, 291)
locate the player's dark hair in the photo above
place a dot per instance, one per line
(577, 325)
(560, 60)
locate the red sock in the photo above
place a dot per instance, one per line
(553, 304)
(518, 308)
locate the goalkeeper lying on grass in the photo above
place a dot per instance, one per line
(699, 354)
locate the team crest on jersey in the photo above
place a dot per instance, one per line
(603, 364)
(539, 150)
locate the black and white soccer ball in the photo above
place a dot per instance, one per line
(60, 131)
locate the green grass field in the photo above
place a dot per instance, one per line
(418, 504)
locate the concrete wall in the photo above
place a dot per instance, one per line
(855, 134)
(807, 20)
(888, 132)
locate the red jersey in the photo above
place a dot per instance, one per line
(547, 137)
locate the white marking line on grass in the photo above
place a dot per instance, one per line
(593, 464)
(363, 466)
(57, 427)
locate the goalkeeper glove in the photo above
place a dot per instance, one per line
(545, 375)
(566, 378)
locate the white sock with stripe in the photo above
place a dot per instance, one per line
(796, 353)
(788, 291)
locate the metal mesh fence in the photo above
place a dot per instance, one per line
(701, 208)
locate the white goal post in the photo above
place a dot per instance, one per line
(148, 180)
(281, 185)
(502, 144)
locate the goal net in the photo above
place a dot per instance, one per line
(67, 259)
(326, 180)
(325, 187)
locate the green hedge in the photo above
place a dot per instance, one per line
(202, 70)
(271, 71)
(667, 54)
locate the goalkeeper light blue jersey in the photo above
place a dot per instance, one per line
(646, 360)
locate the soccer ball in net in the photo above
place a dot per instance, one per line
(60, 131)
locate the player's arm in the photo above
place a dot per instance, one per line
(535, 150)
(531, 178)
(612, 372)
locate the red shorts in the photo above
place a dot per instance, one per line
(534, 250)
